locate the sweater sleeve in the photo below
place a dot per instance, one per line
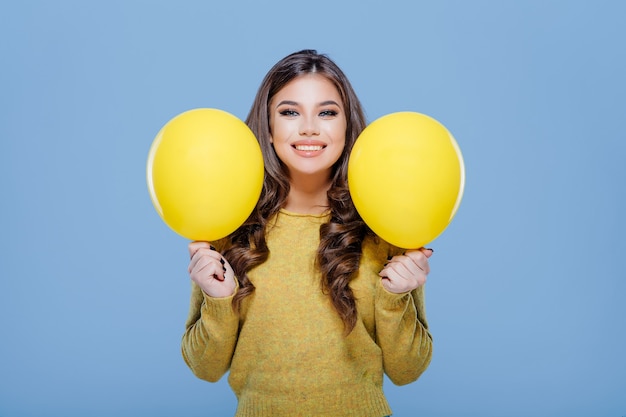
(402, 334)
(210, 337)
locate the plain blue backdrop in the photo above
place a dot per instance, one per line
(527, 296)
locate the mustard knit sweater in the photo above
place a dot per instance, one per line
(286, 350)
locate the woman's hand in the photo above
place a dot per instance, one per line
(210, 270)
(404, 273)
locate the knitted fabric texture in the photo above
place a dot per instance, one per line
(287, 351)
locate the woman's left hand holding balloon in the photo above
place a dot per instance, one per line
(406, 272)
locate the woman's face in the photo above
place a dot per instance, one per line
(308, 125)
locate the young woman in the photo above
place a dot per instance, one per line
(303, 304)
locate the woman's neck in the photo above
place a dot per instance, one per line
(308, 195)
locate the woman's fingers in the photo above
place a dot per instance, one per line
(204, 267)
(204, 254)
(406, 272)
(420, 258)
(198, 245)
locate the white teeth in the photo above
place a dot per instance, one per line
(308, 147)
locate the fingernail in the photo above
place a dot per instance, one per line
(389, 258)
(224, 268)
(222, 261)
(212, 247)
(431, 249)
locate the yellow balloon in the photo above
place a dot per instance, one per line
(205, 173)
(406, 177)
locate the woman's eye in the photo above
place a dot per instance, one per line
(328, 113)
(288, 112)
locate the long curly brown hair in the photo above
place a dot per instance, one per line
(339, 251)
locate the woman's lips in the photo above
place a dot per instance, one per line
(308, 148)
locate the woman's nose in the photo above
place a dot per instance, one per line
(309, 127)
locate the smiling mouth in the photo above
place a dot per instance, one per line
(309, 148)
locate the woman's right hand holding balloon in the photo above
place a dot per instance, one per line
(210, 270)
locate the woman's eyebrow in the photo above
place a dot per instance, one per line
(295, 103)
(287, 102)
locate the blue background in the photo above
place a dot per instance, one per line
(526, 298)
